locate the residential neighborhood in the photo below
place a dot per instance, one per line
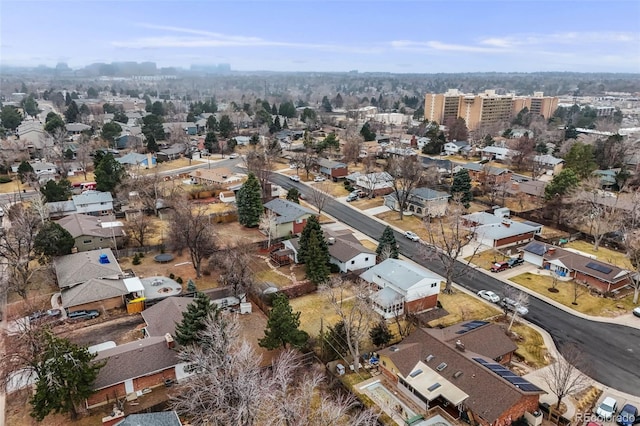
(299, 249)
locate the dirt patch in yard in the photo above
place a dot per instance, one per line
(120, 330)
(463, 307)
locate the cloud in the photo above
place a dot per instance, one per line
(440, 46)
(201, 38)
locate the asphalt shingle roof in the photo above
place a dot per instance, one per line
(398, 272)
(162, 418)
(162, 317)
(77, 268)
(287, 211)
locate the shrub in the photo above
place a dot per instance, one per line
(179, 280)
(5, 179)
(136, 259)
(333, 268)
(172, 276)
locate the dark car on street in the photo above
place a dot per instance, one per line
(91, 314)
(515, 261)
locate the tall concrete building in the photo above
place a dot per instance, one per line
(487, 107)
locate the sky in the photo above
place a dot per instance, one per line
(328, 35)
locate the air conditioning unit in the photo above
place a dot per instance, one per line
(534, 419)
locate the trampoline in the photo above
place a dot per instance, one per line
(163, 258)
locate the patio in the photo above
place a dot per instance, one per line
(160, 287)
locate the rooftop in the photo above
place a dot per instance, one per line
(287, 211)
(402, 274)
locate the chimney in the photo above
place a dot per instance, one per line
(169, 339)
(149, 162)
(551, 250)
(331, 241)
(506, 223)
(460, 345)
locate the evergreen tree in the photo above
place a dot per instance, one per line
(581, 160)
(380, 334)
(249, 201)
(108, 173)
(53, 122)
(335, 341)
(293, 195)
(225, 126)
(311, 227)
(191, 286)
(285, 125)
(561, 184)
(274, 109)
(56, 191)
(65, 373)
(367, 133)
(193, 319)
(282, 326)
(152, 145)
(317, 262)
(211, 143)
(10, 117)
(72, 112)
(212, 123)
(388, 244)
(25, 170)
(462, 185)
(53, 240)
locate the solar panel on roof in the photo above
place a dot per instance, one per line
(522, 383)
(536, 248)
(599, 267)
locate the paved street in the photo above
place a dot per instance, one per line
(612, 351)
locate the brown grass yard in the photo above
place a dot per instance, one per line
(531, 346)
(587, 303)
(369, 244)
(408, 223)
(486, 258)
(169, 165)
(462, 307)
(368, 203)
(314, 309)
(336, 189)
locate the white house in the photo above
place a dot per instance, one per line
(377, 183)
(402, 287)
(94, 203)
(456, 147)
(345, 250)
(497, 230)
(496, 153)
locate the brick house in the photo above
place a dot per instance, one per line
(134, 366)
(401, 287)
(468, 385)
(333, 169)
(495, 231)
(598, 275)
(291, 218)
(485, 174)
(422, 202)
(94, 280)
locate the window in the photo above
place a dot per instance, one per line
(433, 285)
(442, 366)
(86, 242)
(366, 259)
(353, 262)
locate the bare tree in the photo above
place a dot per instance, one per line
(229, 386)
(447, 238)
(39, 205)
(519, 299)
(234, 270)
(351, 302)
(139, 227)
(371, 177)
(565, 376)
(600, 213)
(305, 160)
(268, 224)
(579, 288)
(190, 228)
(83, 154)
(633, 251)
(524, 151)
(407, 172)
(260, 163)
(320, 195)
(351, 149)
(16, 247)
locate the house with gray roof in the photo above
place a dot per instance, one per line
(471, 386)
(496, 153)
(570, 264)
(345, 251)
(171, 153)
(495, 230)
(94, 280)
(422, 202)
(91, 232)
(161, 318)
(402, 287)
(134, 366)
(333, 169)
(291, 218)
(548, 164)
(76, 128)
(486, 174)
(94, 203)
(457, 147)
(135, 160)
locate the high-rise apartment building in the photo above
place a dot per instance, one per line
(487, 107)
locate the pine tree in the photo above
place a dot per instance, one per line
(462, 185)
(380, 334)
(388, 244)
(317, 262)
(191, 286)
(312, 227)
(282, 326)
(65, 373)
(293, 195)
(152, 145)
(249, 201)
(193, 319)
(335, 341)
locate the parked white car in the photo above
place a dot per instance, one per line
(512, 305)
(319, 179)
(412, 236)
(295, 178)
(607, 408)
(489, 295)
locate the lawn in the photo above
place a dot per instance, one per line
(336, 189)
(315, 309)
(369, 244)
(604, 254)
(530, 345)
(168, 165)
(462, 307)
(487, 258)
(587, 303)
(13, 186)
(408, 223)
(368, 203)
